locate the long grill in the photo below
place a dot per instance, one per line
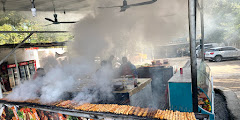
(98, 111)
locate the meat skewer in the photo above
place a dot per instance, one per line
(120, 109)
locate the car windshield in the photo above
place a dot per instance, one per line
(212, 50)
(207, 46)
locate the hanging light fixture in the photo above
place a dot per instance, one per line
(64, 11)
(33, 9)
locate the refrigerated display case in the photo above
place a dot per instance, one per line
(24, 71)
(28, 72)
(32, 67)
(12, 74)
(11, 78)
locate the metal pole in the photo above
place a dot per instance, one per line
(15, 48)
(192, 36)
(17, 68)
(202, 30)
(1, 93)
(213, 94)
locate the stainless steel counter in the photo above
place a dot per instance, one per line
(143, 82)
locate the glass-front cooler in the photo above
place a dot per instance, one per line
(32, 68)
(12, 75)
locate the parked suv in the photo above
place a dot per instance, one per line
(219, 53)
(206, 47)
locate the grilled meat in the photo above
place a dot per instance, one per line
(119, 109)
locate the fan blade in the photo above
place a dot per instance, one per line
(169, 15)
(123, 9)
(48, 25)
(109, 7)
(143, 3)
(66, 22)
(49, 19)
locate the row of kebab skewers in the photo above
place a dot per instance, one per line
(123, 110)
(128, 110)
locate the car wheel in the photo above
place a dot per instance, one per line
(210, 60)
(218, 58)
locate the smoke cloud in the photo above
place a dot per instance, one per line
(99, 34)
(26, 91)
(129, 32)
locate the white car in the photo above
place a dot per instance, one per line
(219, 53)
(206, 48)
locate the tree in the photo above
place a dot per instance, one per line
(13, 21)
(226, 17)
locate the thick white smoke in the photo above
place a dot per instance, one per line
(27, 90)
(56, 82)
(101, 33)
(126, 33)
(100, 89)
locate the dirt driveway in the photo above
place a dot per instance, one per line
(226, 74)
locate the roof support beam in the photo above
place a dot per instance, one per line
(16, 48)
(34, 31)
(31, 32)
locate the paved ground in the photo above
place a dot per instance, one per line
(226, 74)
(221, 111)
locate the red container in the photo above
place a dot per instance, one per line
(181, 71)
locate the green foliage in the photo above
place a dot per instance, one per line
(226, 14)
(13, 21)
(216, 37)
(11, 18)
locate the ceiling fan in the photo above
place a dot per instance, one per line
(55, 21)
(125, 6)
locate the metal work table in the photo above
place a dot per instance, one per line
(160, 76)
(141, 95)
(143, 82)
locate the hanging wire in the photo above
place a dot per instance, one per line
(33, 4)
(53, 6)
(64, 10)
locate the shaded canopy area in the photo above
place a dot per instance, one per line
(44, 5)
